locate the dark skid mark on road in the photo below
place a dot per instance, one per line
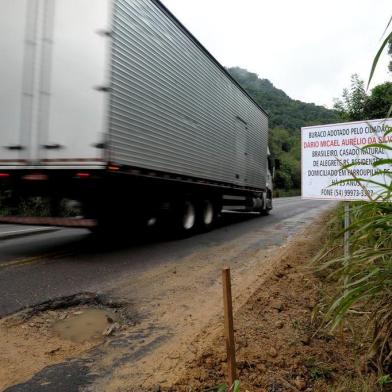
(69, 376)
(133, 348)
(74, 375)
(140, 352)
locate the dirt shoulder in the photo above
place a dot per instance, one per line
(278, 345)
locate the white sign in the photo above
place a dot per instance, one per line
(327, 148)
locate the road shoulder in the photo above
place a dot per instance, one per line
(278, 344)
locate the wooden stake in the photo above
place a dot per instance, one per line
(229, 329)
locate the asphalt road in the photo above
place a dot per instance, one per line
(37, 268)
(168, 291)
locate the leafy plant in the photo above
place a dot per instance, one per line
(385, 380)
(351, 106)
(318, 370)
(366, 275)
(223, 388)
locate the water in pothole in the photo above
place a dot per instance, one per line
(86, 324)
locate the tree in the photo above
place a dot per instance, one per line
(390, 53)
(351, 106)
(356, 105)
(286, 148)
(379, 101)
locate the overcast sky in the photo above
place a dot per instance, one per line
(308, 48)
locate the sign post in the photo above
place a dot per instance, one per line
(346, 239)
(346, 231)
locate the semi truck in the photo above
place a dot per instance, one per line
(114, 104)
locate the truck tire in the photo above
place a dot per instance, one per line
(265, 211)
(183, 219)
(268, 203)
(207, 215)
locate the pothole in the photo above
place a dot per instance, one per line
(56, 331)
(87, 324)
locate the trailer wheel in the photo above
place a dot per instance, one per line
(189, 216)
(207, 215)
(184, 218)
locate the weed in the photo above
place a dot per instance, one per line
(385, 379)
(223, 388)
(296, 324)
(318, 370)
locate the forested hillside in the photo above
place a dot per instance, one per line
(284, 112)
(286, 117)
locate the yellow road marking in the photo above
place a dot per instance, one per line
(30, 260)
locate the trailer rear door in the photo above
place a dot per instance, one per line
(12, 89)
(53, 77)
(75, 75)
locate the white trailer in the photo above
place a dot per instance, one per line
(116, 104)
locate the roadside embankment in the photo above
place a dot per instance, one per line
(278, 341)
